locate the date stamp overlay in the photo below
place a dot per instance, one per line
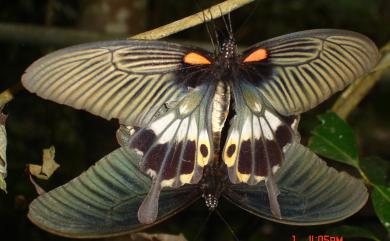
(319, 238)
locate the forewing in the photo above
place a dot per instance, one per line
(311, 193)
(104, 200)
(129, 80)
(296, 72)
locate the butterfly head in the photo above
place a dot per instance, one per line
(227, 52)
(228, 48)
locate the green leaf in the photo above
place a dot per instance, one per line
(376, 169)
(381, 201)
(334, 139)
(352, 232)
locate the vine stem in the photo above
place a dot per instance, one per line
(206, 15)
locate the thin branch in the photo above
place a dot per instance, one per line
(213, 12)
(354, 94)
(59, 37)
(44, 35)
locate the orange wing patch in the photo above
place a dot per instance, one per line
(257, 55)
(195, 58)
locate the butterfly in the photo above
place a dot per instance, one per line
(199, 124)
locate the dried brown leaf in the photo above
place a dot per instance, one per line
(3, 148)
(49, 165)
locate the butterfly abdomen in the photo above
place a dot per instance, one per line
(220, 110)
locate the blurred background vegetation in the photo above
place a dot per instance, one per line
(31, 28)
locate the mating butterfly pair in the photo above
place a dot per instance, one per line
(173, 103)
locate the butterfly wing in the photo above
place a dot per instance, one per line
(278, 79)
(298, 71)
(177, 145)
(254, 146)
(104, 200)
(163, 92)
(311, 193)
(130, 80)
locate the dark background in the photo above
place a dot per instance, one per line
(81, 139)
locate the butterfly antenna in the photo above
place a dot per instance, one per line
(247, 19)
(227, 224)
(203, 226)
(214, 29)
(208, 31)
(206, 23)
(230, 23)
(225, 22)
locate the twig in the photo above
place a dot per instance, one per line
(44, 35)
(352, 96)
(213, 12)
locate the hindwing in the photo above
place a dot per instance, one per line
(103, 201)
(311, 193)
(253, 150)
(176, 146)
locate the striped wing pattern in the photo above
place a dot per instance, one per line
(311, 193)
(253, 150)
(129, 80)
(104, 200)
(175, 147)
(304, 68)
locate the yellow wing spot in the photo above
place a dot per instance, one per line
(195, 59)
(259, 178)
(230, 153)
(231, 149)
(203, 153)
(186, 178)
(168, 183)
(201, 159)
(243, 177)
(257, 55)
